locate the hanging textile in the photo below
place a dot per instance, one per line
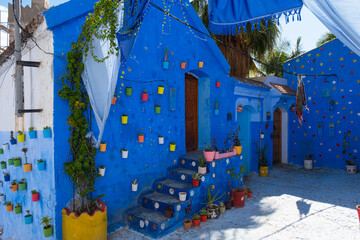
(225, 16)
(300, 100)
(342, 18)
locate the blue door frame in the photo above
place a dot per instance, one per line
(243, 118)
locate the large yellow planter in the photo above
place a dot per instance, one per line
(85, 227)
(238, 149)
(264, 171)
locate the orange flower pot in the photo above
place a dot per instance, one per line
(103, 147)
(113, 101)
(27, 167)
(183, 65)
(14, 188)
(196, 222)
(201, 64)
(141, 138)
(9, 208)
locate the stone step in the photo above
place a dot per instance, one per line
(173, 187)
(181, 174)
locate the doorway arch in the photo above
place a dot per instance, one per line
(280, 135)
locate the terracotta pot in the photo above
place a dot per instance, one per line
(238, 197)
(228, 205)
(209, 155)
(27, 167)
(144, 97)
(195, 182)
(203, 218)
(14, 188)
(196, 222)
(249, 194)
(183, 65)
(113, 101)
(187, 223)
(35, 197)
(141, 138)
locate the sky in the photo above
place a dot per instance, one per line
(309, 28)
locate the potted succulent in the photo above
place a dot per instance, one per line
(160, 90)
(32, 133)
(128, 91)
(172, 147)
(35, 195)
(166, 62)
(222, 207)
(27, 166)
(102, 170)
(9, 206)
(3, 165)
(6, 176)
(21, 136)
(248, 192)
(18, 208)
(144, 96)
(157, 108)
(1, 151)
(332, 105)
(2, 197)
(124, 153)
(134, 185)
(196, 220)
(17, 162)
(349, 158)
(211, 208)
(187, 221)
(12, 139)
(161, 139)
(201, 166)
(229, 116)
(169, 212)
(14, 185)
(234, 135)
(182, 196)
(216, 112)
(41, 164)
(308, 162)
(239, 108)
(47, 132)
(47, 227)
(183, 65)
(102, 147)
(238, 193)
(262, 159)
(141, 136)
(28, 217)
(22, 185)
(203, 215)
(124, 119)
(113, 102)
(196, 179)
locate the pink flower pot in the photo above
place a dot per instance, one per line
(35, 197)
(209, 156)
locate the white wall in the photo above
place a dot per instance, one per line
(38, 85)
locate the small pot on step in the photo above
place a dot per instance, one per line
(196, 220)
(182, 196)
(187, 224)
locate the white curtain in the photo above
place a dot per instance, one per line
(341, 17)
(100, 78)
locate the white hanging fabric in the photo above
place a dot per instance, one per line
(100, 78)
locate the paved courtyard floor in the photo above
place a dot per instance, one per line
(292, 203)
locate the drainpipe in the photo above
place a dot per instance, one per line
(19, 93)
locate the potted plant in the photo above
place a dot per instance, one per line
(2, 197)
(27, 166)
(216, 112)
(228, 204)
(128, 91)
(141, 136)
(201, 64)
(229, 117)
(14, 186)
(124, 153)
(238, 193)
(6, 176)
(35, 195)
(157, 108)
(134, 185)
(182, 196)
(166, 62)
(222, 207)
(268, 116)
(5, 147)
(196, 220)
(187, 221)
(161, 139)
(12, 139)
(332, 105)
(203, 215)
(41, 164)
(18, 208)
(22, 185)
(160, 90)
(1, 151)
(32, 133)
(349, 158)
(124, 119)
(201, 166)
(113, 102)
(239, 108)
(218, 83)
(261, 153)
(248, 192)
(209, 152)
(102, 170)
(196, 179)
(144, 96)
(47, 132)
(9, 206)
(21, 136)
(308, 162)
(11, 161)
(211, 208)
(28, 217)
(102, 147)
(3, 165)
(172, 147)
(234, 135)
(1, 184)
(183, 65)
(169, 212)
(17, 162)
(47, 227)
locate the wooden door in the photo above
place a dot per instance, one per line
(191, 112)
(277, 137)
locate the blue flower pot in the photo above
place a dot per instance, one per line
(41, 166)
(7, 178)
(29, 219)
(13, 142)
(268, 117)
(217, 111)
(32, 134)
(165, 65)
(259, 109)
(47, 133)
(229, 117)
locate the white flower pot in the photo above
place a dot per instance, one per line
(182, 196)
(308, 163)
(102, 171)
(124, 154)
(351, 169)
(5, 147)
(202, 170)
(2, 198)
(134, 187)
(161, 140)
(262, 135)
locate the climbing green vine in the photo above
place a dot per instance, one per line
(102, 23)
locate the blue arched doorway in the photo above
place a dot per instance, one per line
(243, 119)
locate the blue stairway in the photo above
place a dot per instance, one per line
(149, 219)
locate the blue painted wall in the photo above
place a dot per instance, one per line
(332, 57)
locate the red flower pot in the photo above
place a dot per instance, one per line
(35, 197)
(358, 210)
(183, 65)
(196, 222)
(203, 218)
(238, 198)
(144, 96)
(113, 101)
(249, 194)
(141, 138)
(195, 182)
(218, 84)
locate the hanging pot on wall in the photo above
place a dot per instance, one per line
(113, 102)
(145, 96)
(32, 135)
(102, 170)
(166, 65)
(172, 147)
(161, 140)
(183, 65)
(102, 147)
(124, 153)
(157, 109)
(128, 91)
(218, 84)
(47, 132)
(239, 108)
(216, 112)
(160, 90)
(124, 119)
(141, 138)
(201, 64)
(41, 164)
(182, 196)
(27, 167)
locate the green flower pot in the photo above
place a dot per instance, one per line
(157, 109)
(11, 162)
(1, 151)
(48, 232)
(18, 210)
(17, 162)
(3, 165)
(128, 91)
(22, 186)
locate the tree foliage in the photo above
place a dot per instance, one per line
(325, 38)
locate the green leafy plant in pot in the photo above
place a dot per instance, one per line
(212, 208)
(46, 222)
(238, 193)
(351, 166)
(202, 166)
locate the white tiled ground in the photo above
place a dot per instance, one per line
(292, 203)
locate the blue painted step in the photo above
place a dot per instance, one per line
(181, 174)
(173, 187)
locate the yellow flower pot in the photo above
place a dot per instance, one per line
(103, 147)
(21, 138)
(27, 167)
(238, 149)
(85, 227)
(160, 90)
(124, 119)
(172, 147)
(201, 64)
(264, 171)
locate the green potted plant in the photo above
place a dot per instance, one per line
(27, 166)
(22, 185)
(212, 208)
(32, 133)
(261, 153)
(351, 166)
(308, 162)
(203, 215)
(28, 217)
(187, 221)
(47, 227)
(237, 193)
(202, 166)
(14, 185)
(124, 153)
(128, 91)
(11, 161)
(9, 206)
(18, 208)
(17, 162)
(47, 132)
(196, 220)
(35, 195)
(157, 108)
(196, 179)
(21, 136)
(3, 165)
(134, 185)
(12, 139)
